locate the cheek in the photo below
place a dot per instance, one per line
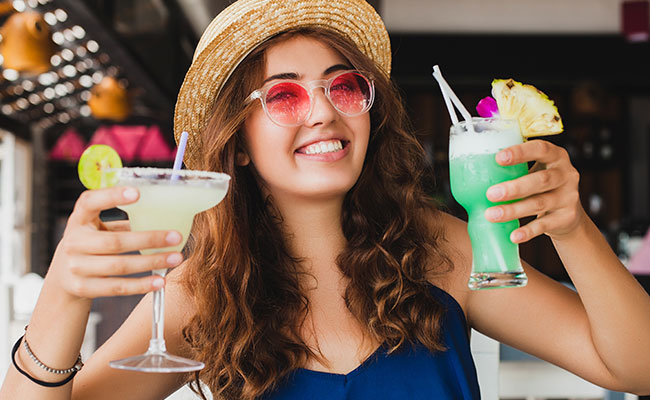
(254, 132)
(362, 130)
(253, 122)
(264, 141)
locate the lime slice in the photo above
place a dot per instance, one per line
(94, 160)
(536, 113)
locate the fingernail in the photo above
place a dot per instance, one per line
(504, 156)
(516, 236)
(174, 259)
(494, 213)
(173, 237)
(130, 194)
(158, 283)
(496, 192)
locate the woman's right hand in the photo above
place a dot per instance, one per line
(88, 261)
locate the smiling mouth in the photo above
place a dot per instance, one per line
(323, 147)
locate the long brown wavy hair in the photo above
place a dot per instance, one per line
(245, 283)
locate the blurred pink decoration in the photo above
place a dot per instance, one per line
(153, 147)
(104, 135)
(68, 147)
(639, 263)
(134, 142)
(124, 139)
(130, 137)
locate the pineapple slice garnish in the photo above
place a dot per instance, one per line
(536, 113)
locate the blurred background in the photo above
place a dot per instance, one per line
(75, 73)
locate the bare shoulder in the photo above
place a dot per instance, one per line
(98, 381)
(453, 243)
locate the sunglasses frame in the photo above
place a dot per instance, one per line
(309, 88)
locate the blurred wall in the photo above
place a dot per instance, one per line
(502, 16)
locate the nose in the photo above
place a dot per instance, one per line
(323, 112)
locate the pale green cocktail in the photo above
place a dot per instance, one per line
(169, 200)
(473, 169)
(167, 206)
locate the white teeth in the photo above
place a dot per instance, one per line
(324, 147)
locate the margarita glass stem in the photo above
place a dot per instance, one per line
(157, 342)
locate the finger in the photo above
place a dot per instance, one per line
(117, 226)
(538, 227)
(535, 205)
(91, 202)
(106, 242)
(532, 150)
(103, 266)
(105, 287)
(527, 185)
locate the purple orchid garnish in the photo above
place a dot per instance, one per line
(487, 108)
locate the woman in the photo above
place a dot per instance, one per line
(327, 272)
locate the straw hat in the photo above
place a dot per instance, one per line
(245, 24)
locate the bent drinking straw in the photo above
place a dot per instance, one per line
(448, 95)
(450, 107)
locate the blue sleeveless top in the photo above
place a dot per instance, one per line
(413, 373)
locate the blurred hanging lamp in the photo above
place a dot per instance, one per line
(6, 7)
(27, 44)
(109, 100)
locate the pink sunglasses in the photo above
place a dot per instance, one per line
(289, 102)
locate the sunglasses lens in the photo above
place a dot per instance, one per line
(350, 93)
(287, 103)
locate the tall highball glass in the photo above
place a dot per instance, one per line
(473, 169)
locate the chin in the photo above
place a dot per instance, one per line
(319, 193)
(329, 187)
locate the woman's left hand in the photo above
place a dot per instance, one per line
(549, 191)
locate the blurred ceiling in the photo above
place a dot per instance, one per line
(146, 45)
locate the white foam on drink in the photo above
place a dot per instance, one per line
(483, 142)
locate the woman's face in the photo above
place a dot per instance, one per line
(280, 154)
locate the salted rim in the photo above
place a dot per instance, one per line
(151, 174)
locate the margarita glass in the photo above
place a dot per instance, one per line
(169, 200)
(473, 169)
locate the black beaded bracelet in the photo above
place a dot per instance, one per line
(38, 381)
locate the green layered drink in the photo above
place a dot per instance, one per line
(473, 169)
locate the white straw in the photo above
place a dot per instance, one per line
(447, 92)
(450, 107)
